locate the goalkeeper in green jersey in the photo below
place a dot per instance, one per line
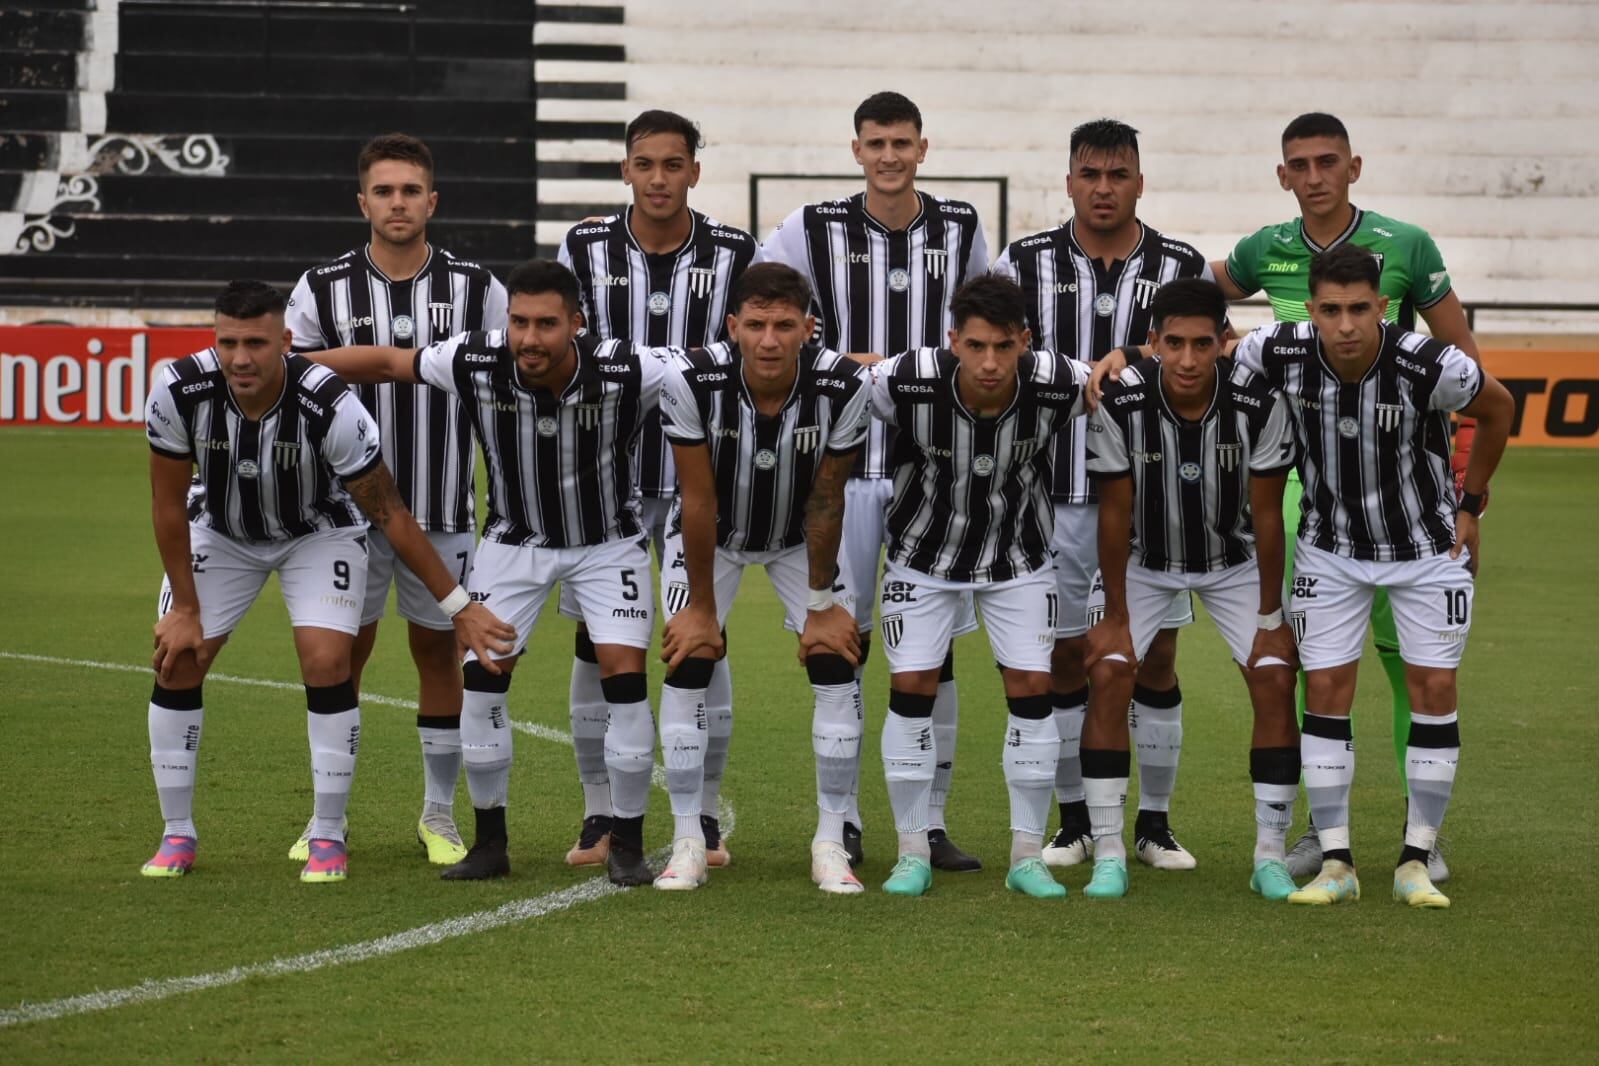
(1318, 167)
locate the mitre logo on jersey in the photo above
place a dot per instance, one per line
(1144, 291)
(344, 325)
(936, 261)
(441, 317)
(605, 281)
(1435, 280)
(846, 258)
(701, 280)
(660, 303)
(588, 414)
(1388, 415)
(403, 328)
(806, 438)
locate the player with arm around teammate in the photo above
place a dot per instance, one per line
(292, 474)
(765, 428)
(1186, 448)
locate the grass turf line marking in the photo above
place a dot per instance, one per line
(149, 991)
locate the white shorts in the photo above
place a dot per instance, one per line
(1330, 605)
(1075, 546)
(789, 571)
(415, 601)
(610, 582)
(653, 517)
(866, 501)
(321, 575)
(919, 616)
(1231, 597)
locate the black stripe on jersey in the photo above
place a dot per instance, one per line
(402, 414)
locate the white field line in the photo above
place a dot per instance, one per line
(149, 991)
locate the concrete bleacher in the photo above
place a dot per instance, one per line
(1479, 121)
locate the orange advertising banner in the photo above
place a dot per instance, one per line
(72, 376)
(1556, 394)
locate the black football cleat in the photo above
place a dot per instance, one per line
(852, 844)
(486, 860)
(946, 856)
(625, 864)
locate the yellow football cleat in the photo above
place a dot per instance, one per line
(437, 833)
(1336, 883)
(1413, 886)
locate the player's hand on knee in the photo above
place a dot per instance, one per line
(691, 632)
(833, 630)
(1275, 644)
(178, 632)
(1468, 534)
(480, 631)
(1110, 641)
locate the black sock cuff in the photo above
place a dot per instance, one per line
(910, 704)
(946, 672)
(477, 679)
(1069, 701)
(625, 688)
(1103, 762)
(330, 699)
(1034, 707)
(691, 674)
(438, 721)
(866, 647)
(1430, 735)
(1327, 727)
(583, 648)
(1274, 766)
(1151, 698)
(177, 699)
(827, 668)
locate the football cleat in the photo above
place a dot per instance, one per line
(852, 844)
(947, 856)
(487, 859)
(438, 835)
(625, 864)
(1413, 886)
(1032, 878)
(686, 870)
(1304, 858)
(174, 858)
(593, 842)
(1157, 847)
(328, 862)
(1271, 879)
(1336, 883)
(831, 871)
(1109, 880)
(1437, 868)
(301, 851)
(911, 876)
(1068, 847)
(716, 853)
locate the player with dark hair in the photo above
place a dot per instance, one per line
(399, 289)
(289, 474)
(970, 517)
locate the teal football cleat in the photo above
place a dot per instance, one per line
(911, 876)
(1271, 879)
(1032, 878)
(1109, 880)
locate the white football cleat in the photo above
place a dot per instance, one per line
(831, 871)
(1066, 850)
(686, 871)
(1157, 847)
(1304, 858)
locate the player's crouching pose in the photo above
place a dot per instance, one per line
(282, 446)
(1372, 403)
(764, 429)
(558, 415)
(1183, 449)
(971, 514)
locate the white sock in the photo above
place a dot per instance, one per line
(1032, 748)
(1069, 767)
(174, 759)
(441, 761)
(629, 745)
(1157, 735)
(1327, 754)
(1026, 845)
(335, 739)
(837, 723)
(486, 747)
(719, 722)
(683, 742)
(946, 717)
(908, 768)
(1431, 758)
(1107, 801)
(589, 715)
(1274, 813)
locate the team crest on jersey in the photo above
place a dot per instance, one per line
(660, 303)
(1388, 415)
(1104, 304)
(588, 414)
(248, 469)
(441, 317)
(765, 459)
(286, 454)
(701, 280)
(676, 596)
(1228, 456)
(1189, 472)
(547, 426)
(899, 280)
(1096, 615)
(1144, 291)
(893, 629)
(1378, 256)
(806, 438)
(1023, 450)
(936, 261)
(403, 328)
(1297, 620)
(1348, 428)
(983, 465)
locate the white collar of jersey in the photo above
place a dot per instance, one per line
(871, 220)
(366, 253)
(1171, 412)
(1071, 236)
(1349, 231)
(693, 228)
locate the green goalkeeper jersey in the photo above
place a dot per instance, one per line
(1277, 259)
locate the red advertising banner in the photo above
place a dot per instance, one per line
(72, 376)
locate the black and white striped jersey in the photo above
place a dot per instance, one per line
(1078, 306)
(426, 442)
(560, 467)
(764, 465)
(1190, 478)
(677, 299)
(881, 290)
(971, 494)
(1374, 453)
(268, 479)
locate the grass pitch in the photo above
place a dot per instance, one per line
(759, 965)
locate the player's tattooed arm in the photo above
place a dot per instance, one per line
(377, 495)
(824, 518)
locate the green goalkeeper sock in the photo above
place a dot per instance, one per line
(1394, 667)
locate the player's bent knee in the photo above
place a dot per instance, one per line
(691, 674)
(619, 659)
(476, 677)
(1438, 692)
(827, 668)
(1025, 682)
